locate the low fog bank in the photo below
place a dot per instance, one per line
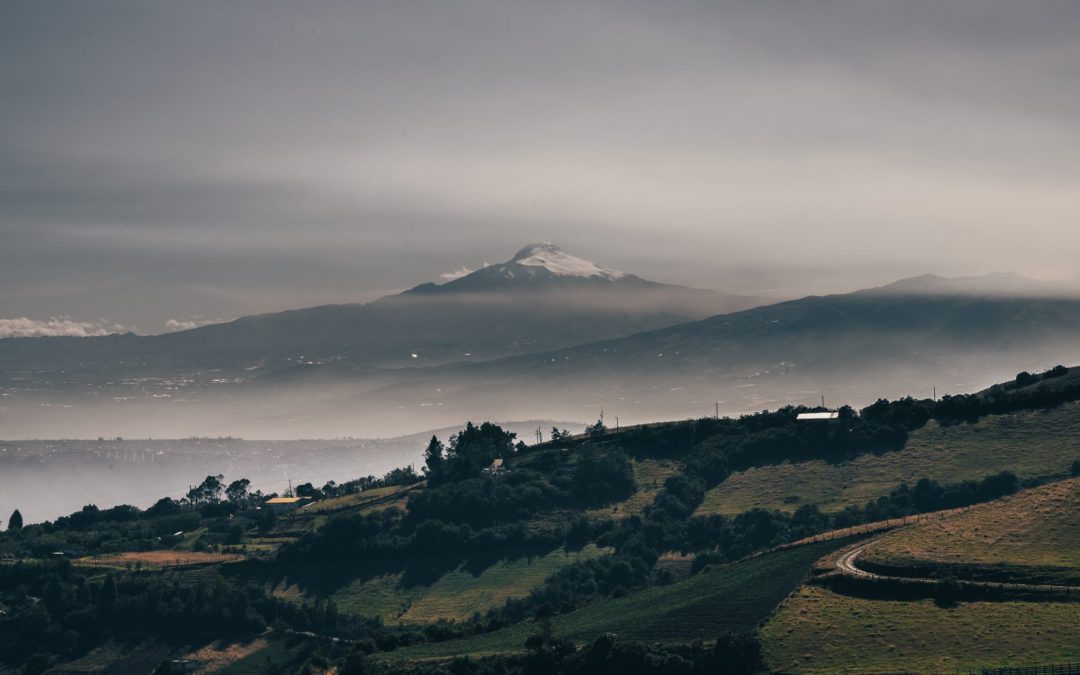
(302, 409)
(45, 479)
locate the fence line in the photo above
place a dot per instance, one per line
(1047, 669)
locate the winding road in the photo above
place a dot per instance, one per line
(847, 564)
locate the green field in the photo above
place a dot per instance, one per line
(819, 631)
(1030, 444)
(1038, 529)
(457, 594)
(649, 476)
(733, 598)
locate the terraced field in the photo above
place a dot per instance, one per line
(818, 631)
(457, 594)
(1030, 444)
(734, 598)
(1037, 529)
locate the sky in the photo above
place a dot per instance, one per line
(165, 164)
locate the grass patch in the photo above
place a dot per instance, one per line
(734, 598)
(356, 500)
(458, 593)
(1030, 444)
(819, 631)
(649, 476)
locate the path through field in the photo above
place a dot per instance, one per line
(847, 564)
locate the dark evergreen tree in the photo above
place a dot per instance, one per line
(434, 461)
(15, 522)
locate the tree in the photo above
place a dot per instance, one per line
(237, 491)
(1075, 471)
(15, 522)
(473, 449)
(108, 590)
(1024, 379)
(596, 430)
(434, 460)
(207, 492)
(166, 506)
(558, 434)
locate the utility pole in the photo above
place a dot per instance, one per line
(935, 392)
(616, 423)
(823, 400)
(718, 410)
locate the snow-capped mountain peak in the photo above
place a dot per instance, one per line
(560, 263)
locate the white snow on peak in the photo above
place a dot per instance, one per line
(560, 263)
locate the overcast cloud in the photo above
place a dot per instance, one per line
(163, 160)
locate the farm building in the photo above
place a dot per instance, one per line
(817, 416)
(283, 504)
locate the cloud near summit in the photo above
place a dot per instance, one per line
(57, 326)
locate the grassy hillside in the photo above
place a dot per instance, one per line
(457, 594)
(728, 599)
(1035, 528)
(819, 631)
(649, 475)
(1031, 443)
(358, 500)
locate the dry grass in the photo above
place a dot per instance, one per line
(214, 657)
(818, 631)
(158, 558)
(1028, 443)
(1039, 527)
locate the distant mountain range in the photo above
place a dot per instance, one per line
(545, 334)
(911, 336)
(543, 298)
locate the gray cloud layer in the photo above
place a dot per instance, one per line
(201, 158)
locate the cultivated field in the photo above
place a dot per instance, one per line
(167, 558)
(457, 594)
(1037, 528)
(819, 631)
(1036, 443)
(734, 598)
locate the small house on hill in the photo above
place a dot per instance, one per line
(817, 417)
(283, 504)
